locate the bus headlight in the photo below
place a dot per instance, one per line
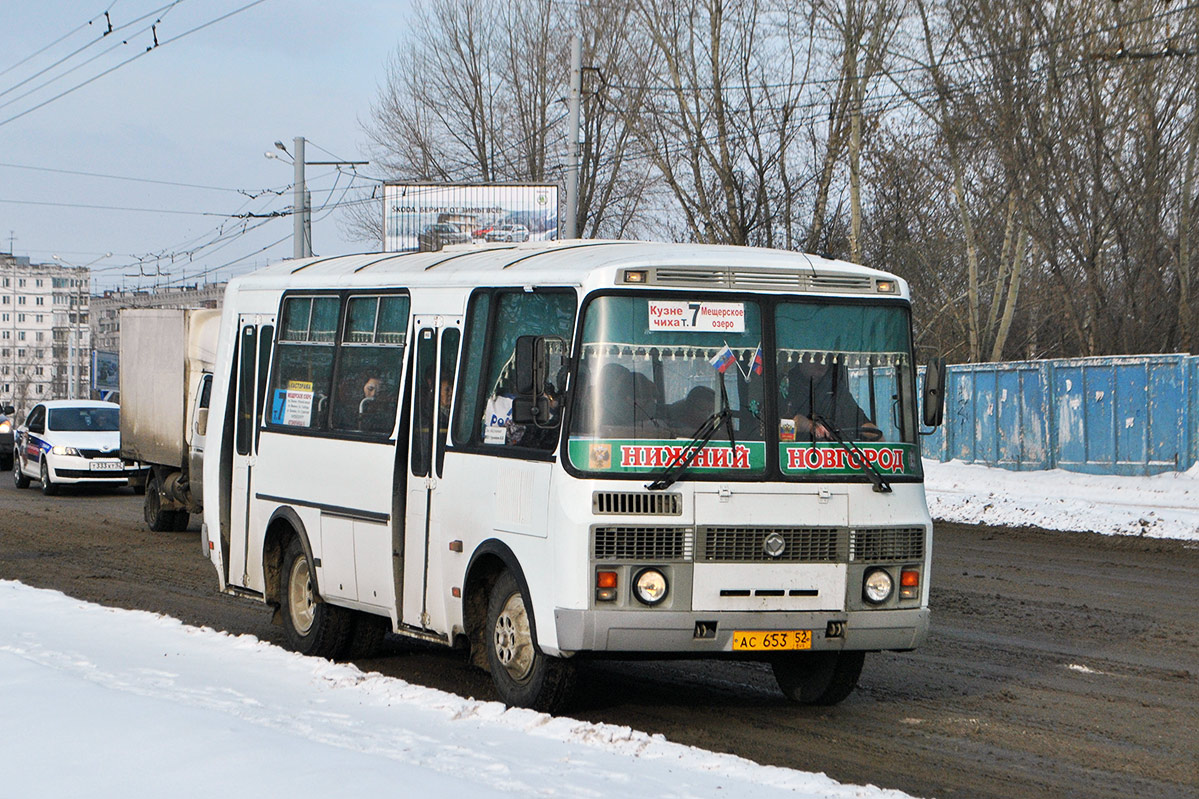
(649, 586)
(877, 586)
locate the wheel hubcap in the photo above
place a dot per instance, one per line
(300, 602)
(514, 639)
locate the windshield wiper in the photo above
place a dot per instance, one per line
(881, 484)
(676, 468)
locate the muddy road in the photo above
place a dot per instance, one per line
(1059, 665)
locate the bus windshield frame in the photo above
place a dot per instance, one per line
(648, 373)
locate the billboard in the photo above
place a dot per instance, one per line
(425, 216)
(106, 372)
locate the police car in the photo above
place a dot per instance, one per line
(68, 442)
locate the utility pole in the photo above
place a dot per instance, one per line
(302, 202)
(299, 239)
(572, 166)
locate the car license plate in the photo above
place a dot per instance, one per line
(771, 640)
(106, 466)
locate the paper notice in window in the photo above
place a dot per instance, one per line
(297, 405)
(696, 316)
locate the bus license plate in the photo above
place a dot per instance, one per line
(771, 640)
(106, 466)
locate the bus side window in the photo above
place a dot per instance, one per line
(245, 390)
(304, 368)
(423, 406)
(449, 360)
(266, 337)
(368, 372)
(466, 414)
(519, 313)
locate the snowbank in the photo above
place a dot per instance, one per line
(1161, 506)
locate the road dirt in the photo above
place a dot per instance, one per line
(1058, 665)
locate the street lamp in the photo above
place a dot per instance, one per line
(74, 348)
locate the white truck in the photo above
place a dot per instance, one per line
(167, 356)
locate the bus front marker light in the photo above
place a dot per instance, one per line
(635, 276)
(649, 586)
(909, 584)
(877, 586)
(887, 287)
(605, 586)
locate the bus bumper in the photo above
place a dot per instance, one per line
(614, 631)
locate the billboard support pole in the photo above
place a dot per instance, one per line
(572, 167)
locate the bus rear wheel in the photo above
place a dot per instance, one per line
(818, 678)
(523, 675)
(313, 627)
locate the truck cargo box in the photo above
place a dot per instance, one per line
(164, 353)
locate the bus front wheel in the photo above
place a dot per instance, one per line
(523, 675)
(312, 627)
(818, 678)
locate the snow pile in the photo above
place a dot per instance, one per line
(1160, 506)
(116, 703)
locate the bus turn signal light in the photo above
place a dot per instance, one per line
(605, 586)
(909, 584)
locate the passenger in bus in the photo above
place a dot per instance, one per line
(692, 410)
(373, 408)
(819, 390)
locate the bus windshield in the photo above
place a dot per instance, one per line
(844, 374)
(653, 370)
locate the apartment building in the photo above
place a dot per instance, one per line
(45, 340)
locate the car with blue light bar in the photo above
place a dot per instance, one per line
(71, 442)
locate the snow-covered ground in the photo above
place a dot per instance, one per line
(115, 703)
(101, 702)
(1161, 506)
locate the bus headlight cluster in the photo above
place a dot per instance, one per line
(649, 586)
(877, 586)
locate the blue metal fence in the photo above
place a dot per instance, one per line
(1133, 414)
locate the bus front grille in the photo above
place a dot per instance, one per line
(629, 503)
(773, 544)
(620, 542)
(886, 543)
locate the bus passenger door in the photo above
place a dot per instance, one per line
(255, 337)
(436, 358)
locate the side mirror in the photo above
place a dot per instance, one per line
(540, 360)
(7, 410)
(526, 365)
(932, 399)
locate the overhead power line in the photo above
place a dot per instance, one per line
(157, 43)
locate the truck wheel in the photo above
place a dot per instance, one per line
(313, 627)
(48, 488)
(818, 678)
(181, 521)
(157, 519)
(18, 477)
(523, 675)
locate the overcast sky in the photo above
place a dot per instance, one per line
(201, 109)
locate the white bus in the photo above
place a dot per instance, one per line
(548, 452)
